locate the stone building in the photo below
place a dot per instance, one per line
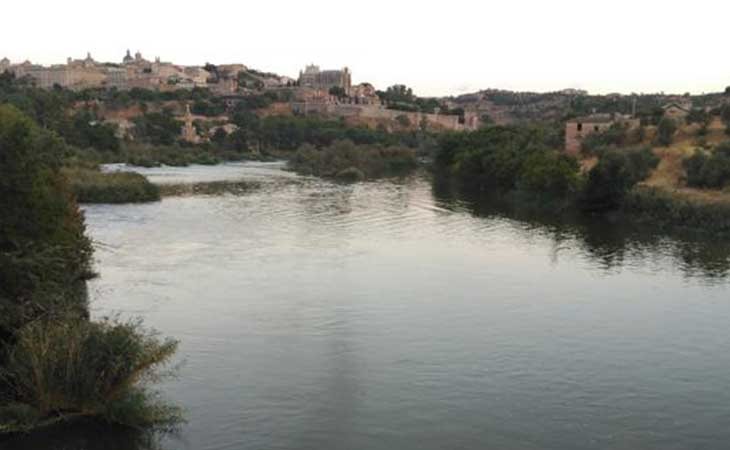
(677, 111)
(579, 128)
(315, 78)
(188, 132)
(364, 94)
(4, 64)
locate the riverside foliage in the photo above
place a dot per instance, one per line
(54, 362)
(346, 161)
(523, 159)
(95, 186)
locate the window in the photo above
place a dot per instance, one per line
(580, 126)
(596, 128)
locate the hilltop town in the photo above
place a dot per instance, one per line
(332, 94)
(325, 93)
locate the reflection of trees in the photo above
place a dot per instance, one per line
(86, 436)
(607, 241)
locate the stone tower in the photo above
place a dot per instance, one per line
(188, 132)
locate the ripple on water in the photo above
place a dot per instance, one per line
(379, 315)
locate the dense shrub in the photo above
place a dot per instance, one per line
(497, 157)
(709, 170)
(345, 160)
(54, 362)
(158, 128)
(615, 174)
(665, 131)
(44, 255)
(551, 173)
(616, 136)
(93, 186)
(88, 369)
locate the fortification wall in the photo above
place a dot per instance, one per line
(377, 114)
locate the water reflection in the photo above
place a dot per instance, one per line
(610, 243)
(399, 315)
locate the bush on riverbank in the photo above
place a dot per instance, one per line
(617, 171)
(94, 186)
(508, 159)
(522, 159)
(347, 161)
(709, 169)
(58, 370)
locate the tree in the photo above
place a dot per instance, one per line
(45, 257)
(398, 93)
(158, 128)
(665, 131)
(338, 91)
(550, 173)
(725, 117)
(403, 120)
(615, 174)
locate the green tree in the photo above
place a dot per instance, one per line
(615, 174)
(665, 131)
(338, 92)
(45, 257)
(158, 128)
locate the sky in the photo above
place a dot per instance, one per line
(436, 47)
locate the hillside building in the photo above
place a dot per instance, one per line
(677, 111)
(579, 128)
(313, 77)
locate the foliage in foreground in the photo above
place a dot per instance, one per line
(94, 186)
(54, 362)
(45, 256)
(347, 161)
(59, 370)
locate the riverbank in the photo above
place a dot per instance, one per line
(55, 362)
(91, 185)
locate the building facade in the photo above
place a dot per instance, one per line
(313, 77)
(576, 130)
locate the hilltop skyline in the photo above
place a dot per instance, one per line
(470, 46)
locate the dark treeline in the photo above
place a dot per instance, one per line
(55, 363)
(524, 160)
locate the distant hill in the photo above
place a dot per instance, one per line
(505, 107)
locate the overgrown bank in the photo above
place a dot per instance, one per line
(521, 163)
(55, 363)
(95, 186)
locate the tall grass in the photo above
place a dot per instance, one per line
(94, 186)
(86, 369)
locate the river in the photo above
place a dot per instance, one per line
(393, 315)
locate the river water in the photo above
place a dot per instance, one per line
(393, 315)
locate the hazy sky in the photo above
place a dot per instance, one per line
(437, 47)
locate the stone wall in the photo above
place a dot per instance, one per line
(371, 114)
